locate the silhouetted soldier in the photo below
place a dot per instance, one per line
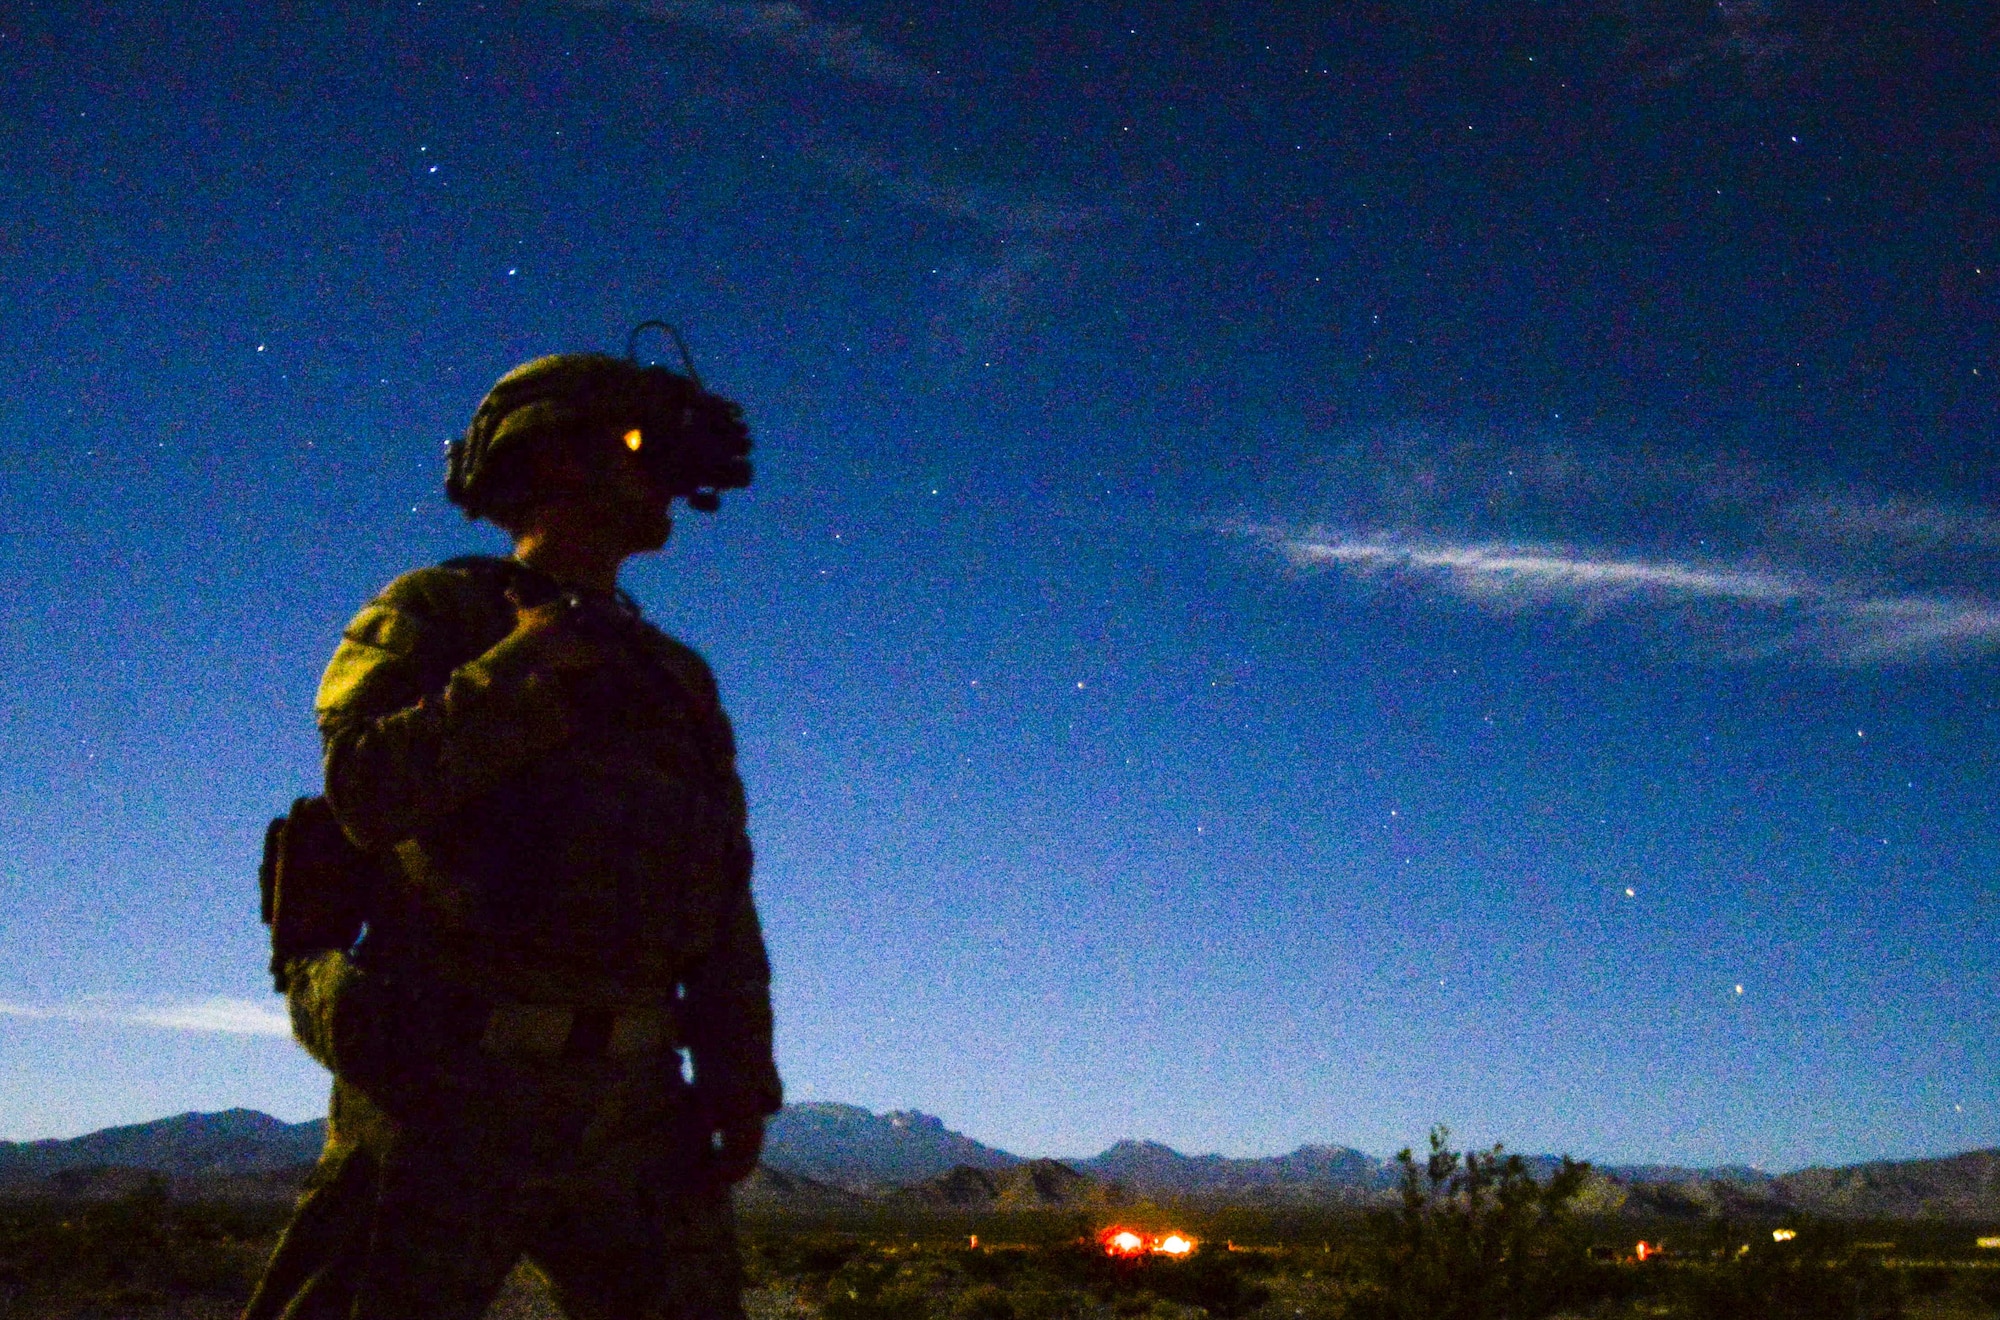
(550, 859)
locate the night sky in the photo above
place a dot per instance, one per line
(1308, 575)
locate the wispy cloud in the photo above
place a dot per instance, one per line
(1744, 42)
(218, 1014)
(1712, 552)
(1017, 236)
(1903, 628)
(913, 185)
(839, 48)
(1023, 238)
(1026, 236)
(1899, 525)
(1752, 610)
(1535, 575)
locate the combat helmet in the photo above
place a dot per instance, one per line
(694, 442)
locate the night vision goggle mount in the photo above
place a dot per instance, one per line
(693, 442)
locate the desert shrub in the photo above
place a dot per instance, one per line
(1003, 1269)
(897, 1302)
(1476, 1237)
(1221, 1283)
(880, 1287)
(1928, 1281)
(1816, 1274)
(983, 1302)
(811, 1257)
(139, 1249)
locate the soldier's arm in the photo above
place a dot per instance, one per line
(727, 994)
(728, 1011)
(419, 714)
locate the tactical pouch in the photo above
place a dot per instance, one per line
(316, 885)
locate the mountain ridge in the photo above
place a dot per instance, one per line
(827, 1155)
(231, 1141)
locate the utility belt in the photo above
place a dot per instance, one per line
(548, 1032)
(404, 1023)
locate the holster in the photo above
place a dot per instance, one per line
(317, 886)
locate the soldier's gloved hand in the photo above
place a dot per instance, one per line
(738, 1144)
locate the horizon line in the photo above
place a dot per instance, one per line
(1144, 1141)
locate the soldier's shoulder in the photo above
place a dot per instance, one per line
(447, 585)
(455, 596)
(668, 644)
(685, 662)
(472, 585)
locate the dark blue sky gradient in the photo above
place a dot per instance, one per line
(1267, 526)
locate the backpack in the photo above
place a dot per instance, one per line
(316, 885)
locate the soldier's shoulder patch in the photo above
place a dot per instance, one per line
(459, 607)
(434, 590)
(377, 664)
(405, 641)
(384, 627)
